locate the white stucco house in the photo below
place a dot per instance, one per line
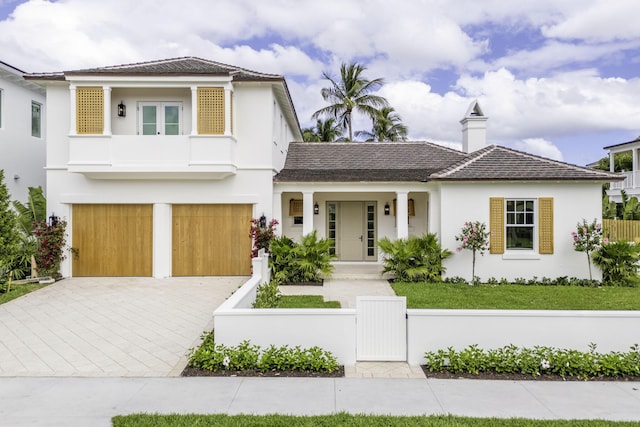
(22, 132)
(159, 166)
(631, 182)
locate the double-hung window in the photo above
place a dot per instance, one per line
(36, 119)
(520, 224)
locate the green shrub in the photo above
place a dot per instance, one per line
(537, 361)
(618, 262)
(245, 356)
(306, 261)
(414, 259)
(268, 295)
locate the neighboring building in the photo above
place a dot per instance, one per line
(631, 182)
(22, 132)
(159, 166)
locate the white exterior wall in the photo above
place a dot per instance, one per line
(470, 202)
(21, 154)
(251, 184)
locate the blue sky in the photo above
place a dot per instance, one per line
(557, 78)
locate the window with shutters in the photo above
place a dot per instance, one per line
(521, 225)
(89, 110)
(296, 207)
(211, 111)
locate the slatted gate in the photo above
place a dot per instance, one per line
(381, 328)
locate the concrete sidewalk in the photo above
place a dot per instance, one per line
(93, 401)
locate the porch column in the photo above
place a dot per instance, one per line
(227, 111)
(276, 211)
(634, 168)
(402, 214)
(107, 110)
(194, 110)
(307, 212)
(72, 114)
(612, 166)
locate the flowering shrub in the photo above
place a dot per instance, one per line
(50, 247)
(588, 238)
(261, 233)
(474, 236)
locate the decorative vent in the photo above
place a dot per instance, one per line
(411, 207)
(210, 111)
(496, 225)
(89, 110)
(296, 207)
(545, 224)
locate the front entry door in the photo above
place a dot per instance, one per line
(356, 237)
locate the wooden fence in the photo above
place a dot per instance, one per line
(621, 229)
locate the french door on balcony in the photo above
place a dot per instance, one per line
(160, 118)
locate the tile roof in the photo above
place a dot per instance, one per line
(185, 66)
(423, 161)
(365, 161)
(635, 141)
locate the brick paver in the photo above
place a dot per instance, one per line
(109, 326)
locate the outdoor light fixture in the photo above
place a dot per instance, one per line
(53, 220)
(122, 109)
(262, 221)
(316, 209)
(387, 209)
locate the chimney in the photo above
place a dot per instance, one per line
(474, 128)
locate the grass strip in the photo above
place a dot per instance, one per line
(20, 290)
(306, 301)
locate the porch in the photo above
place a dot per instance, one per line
(631, 182)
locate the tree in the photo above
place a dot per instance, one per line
(387, 126)
(324, 131)
(34, 210)
(351, 93)
(474, 236)
(622, 161)
(588, 238)
(9, 238)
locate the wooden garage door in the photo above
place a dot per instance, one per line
(211, 240)
(112, 240)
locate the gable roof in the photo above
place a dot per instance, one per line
(364, 161)
(424, 161)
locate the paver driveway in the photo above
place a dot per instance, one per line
(98, 327)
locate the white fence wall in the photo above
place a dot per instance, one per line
(334, 330)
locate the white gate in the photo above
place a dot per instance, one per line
(381, 328)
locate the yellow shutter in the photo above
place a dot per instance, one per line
(89, 110)
(411, 207)
(545, 225)
(295, 207)
(210, 111)
(496, 225)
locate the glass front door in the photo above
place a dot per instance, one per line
(160, 118)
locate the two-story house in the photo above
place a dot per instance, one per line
(158, 168)
(22, 132)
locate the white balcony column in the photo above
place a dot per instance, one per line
(194, 110)
(72, 113)
(227, 111)
(612, 164)
(106, 130)
(402, 214)
(634, 168)
(277, 211)
(307, 212)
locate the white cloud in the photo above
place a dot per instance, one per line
(538, 146)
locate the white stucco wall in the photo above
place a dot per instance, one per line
(470, 202)
(21, 154)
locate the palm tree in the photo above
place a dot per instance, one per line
(324, 131)
(387, 126)
(351, 93)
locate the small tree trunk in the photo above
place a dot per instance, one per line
(589, 263)
(473, 267)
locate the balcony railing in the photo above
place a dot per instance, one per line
(152, 157)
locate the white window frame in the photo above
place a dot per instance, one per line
(533, 225)
(160, 115)
(39, 105)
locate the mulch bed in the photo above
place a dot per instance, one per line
(517, 377)
(197, 372)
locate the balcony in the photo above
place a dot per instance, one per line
(152, 157)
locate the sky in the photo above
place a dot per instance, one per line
(557, 78)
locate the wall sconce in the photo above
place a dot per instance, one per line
(387, 209)
(262, 221)
(122, 109)
(316, 209)
(53, 220)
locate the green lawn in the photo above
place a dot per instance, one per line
(306, 301)
(346, 420)
(19, 290)
(520, 297)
